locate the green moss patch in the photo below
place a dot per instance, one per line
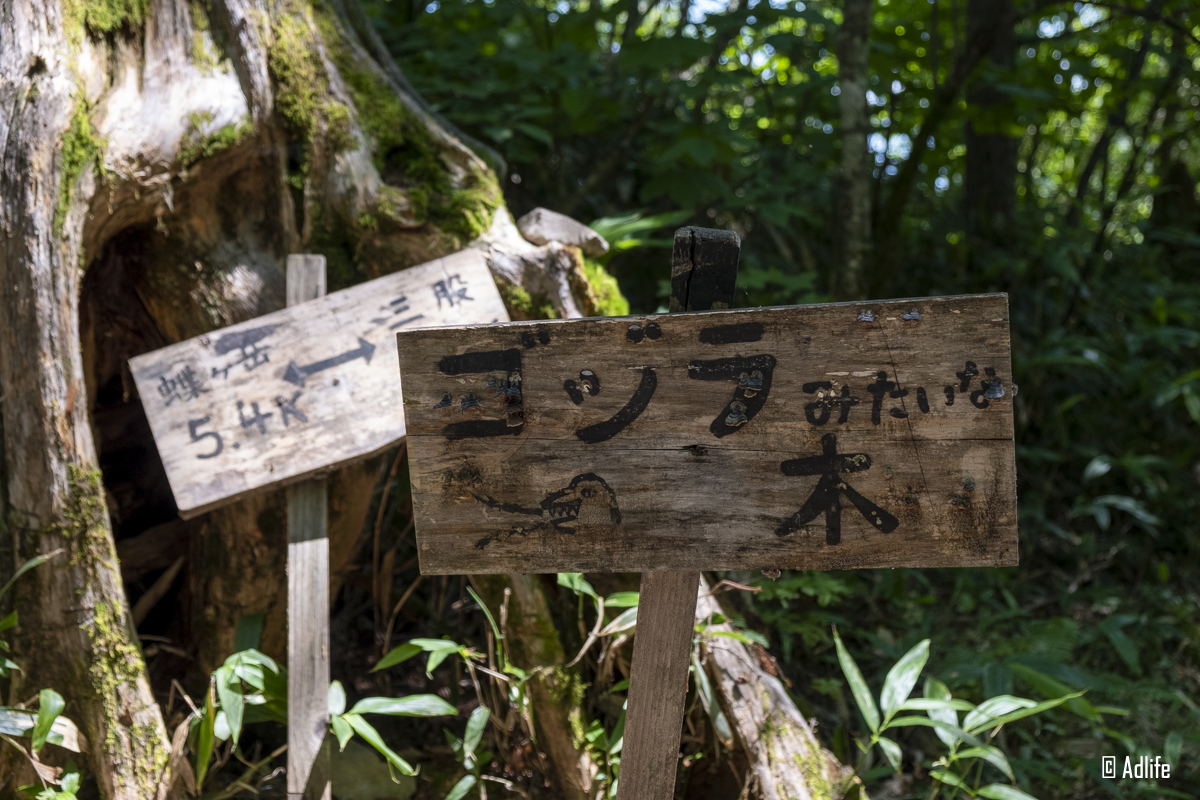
(608, 300)
(197, 145)
(80, 147)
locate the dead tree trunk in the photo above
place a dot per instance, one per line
(162, 158)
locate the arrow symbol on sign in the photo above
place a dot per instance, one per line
(296, 373)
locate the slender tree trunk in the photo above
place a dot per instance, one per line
(855, 186)
(991, 162)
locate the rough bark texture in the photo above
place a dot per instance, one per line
(534, 643)
(786, 759)
(855, 188)
(159, 159)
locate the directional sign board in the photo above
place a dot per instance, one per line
(292, 393)
(838, 436)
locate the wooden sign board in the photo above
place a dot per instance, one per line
(839, 436)
(290, 394)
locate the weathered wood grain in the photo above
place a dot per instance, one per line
(297, 392)
(704, 267)
(572, 487)
(308, 594)
(658, 684)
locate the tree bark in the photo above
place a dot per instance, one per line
(162, 158)
(991, 161)
(855, 187)
(785, 756)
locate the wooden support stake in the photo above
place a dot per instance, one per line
(703, 273)
(308, 598)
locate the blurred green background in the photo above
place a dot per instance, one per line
(1048, 150)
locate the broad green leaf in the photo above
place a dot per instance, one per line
(1025, 712)
(993, 755)
(372, 737)
(335, 698)
(902, 677)
(995, 707)
(621, 600)
(9, 621)
(929, 704)
(858, 686)
(945, 776)
(937, 691)
(926, 722)
(19, 722)
(625, 620)
(1051, 687)
(221, 726)
(475, 727)
(70, 782)
(397, 655)
(892, 751)
(229, 692)
(417, 705)
(204, 740)
(461, 788)
(50, 705)
(575, 582)
(1000, 791)
(341, 729)
(436, 657)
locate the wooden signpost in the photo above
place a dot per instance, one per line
(849, 435)
(282, 399)
(301, 391)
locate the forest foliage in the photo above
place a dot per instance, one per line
(726, 114)
(1044, 149)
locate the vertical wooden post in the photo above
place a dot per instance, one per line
(308, 598)
(703, 273)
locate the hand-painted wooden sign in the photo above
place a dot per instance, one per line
(290, 394)
(839, 436)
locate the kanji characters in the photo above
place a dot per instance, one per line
(831, 465)
(184, 385)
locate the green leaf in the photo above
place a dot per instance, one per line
(575, 582)
(930, 704)
(229, 692)
(745, 637)
(9, 622)
(28, 565)
(621, 600)
(993, 755)
(336, 698)
(417, 705)
(397, 655)
(1026, 712)
(475, 727)
(486, 613)
(926, 722)
(945, 776)
(50, 705)
(902, 677)
(372, 737)
(1000, 791)
(858, 686)
(19, 722)
(461, 788)
(221, 726)
(341, 729)
(625, 620)
(892, 751)
(995, 707)
(204, 740)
